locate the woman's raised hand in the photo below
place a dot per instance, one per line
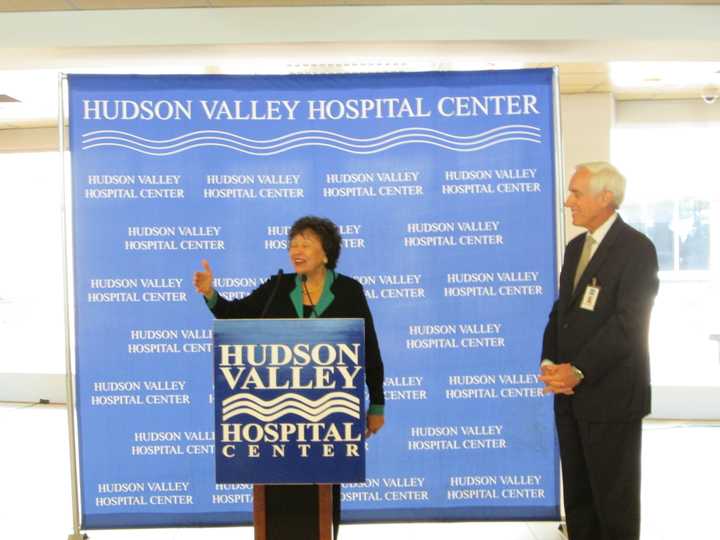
(202, 281)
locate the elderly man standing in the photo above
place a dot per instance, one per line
(596, 361)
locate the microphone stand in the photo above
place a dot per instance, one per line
(303, 278)
(274, 292)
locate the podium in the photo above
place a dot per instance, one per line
(290, 418)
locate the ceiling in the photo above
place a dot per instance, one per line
(639, 80)
(70, 5)
(666, 61)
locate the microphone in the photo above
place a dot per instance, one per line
(303, 278)
(274, 292)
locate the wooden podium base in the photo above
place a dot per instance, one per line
(293, 512)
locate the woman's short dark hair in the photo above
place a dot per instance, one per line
(326, 230)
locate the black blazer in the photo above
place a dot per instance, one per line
(610, 344)
(349, 302)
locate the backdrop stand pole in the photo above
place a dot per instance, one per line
(69, 390)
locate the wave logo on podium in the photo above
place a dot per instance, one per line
(308, 409)
(312, 138)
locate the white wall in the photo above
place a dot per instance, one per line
(29, 140)
(586, 123)
(667, 111)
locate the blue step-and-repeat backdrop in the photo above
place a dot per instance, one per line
(443, 186)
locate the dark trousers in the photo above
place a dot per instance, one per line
(601, 478)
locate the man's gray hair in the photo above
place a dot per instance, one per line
(605, 177)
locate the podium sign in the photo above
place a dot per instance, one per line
(289, 401)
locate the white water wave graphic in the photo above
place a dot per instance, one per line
(292, 410)
(311, 410)
(305, 138)
(299, 397)
(309, 132)
(314, 138)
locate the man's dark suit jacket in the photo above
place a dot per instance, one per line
(610, 344)
(349, 302)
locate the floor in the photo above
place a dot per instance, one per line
(680, 479)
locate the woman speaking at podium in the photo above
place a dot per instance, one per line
(314, 290)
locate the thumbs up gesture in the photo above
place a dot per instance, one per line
(202, 281)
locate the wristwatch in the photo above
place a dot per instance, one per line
(579, 374)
